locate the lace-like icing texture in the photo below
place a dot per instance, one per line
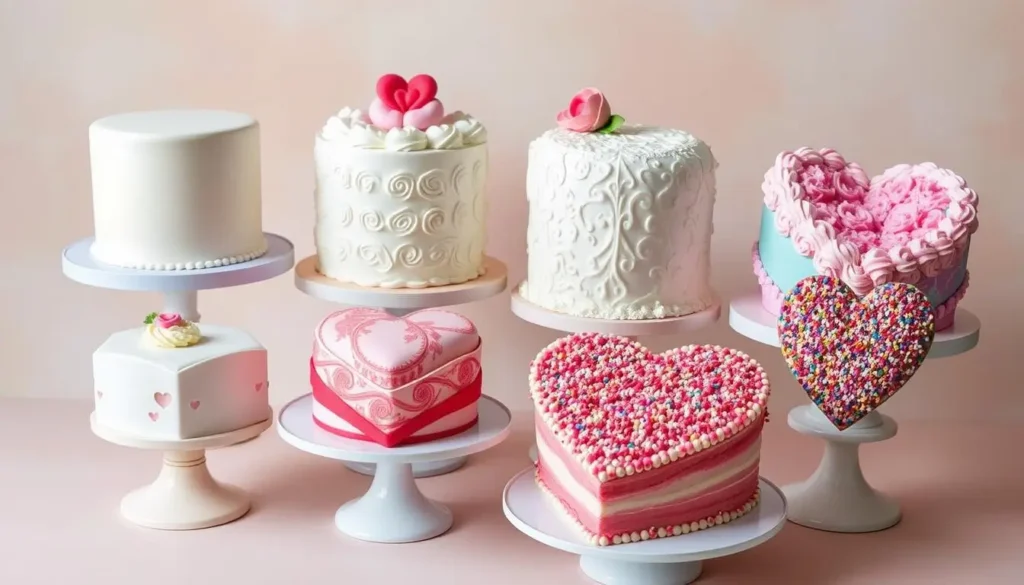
(633, 142)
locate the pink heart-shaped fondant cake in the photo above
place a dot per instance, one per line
(395, 380)
(850, 353)
(652, 444)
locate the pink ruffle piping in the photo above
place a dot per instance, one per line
(771, 295)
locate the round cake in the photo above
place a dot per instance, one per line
(620, 217)
(176, 189)
(400, 199)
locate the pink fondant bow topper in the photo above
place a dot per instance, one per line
(589, 112)
(402, 103)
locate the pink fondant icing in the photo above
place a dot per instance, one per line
(588, 110)
(369, 367)
(918, 220)
(406, 103)
(771, 296)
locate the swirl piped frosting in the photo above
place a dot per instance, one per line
(170, 331)
(404, 117)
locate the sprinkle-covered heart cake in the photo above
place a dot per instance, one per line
(635, 445)
(852, 354)
(824, 215)
(395, 380)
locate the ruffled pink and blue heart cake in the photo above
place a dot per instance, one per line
(395, 380)
(635, 445)
(823, 215)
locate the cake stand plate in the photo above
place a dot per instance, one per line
(399, 302)
(184, 496)
(837, 497)
(393, 510)
(537, 315)
(663, 561)
(179, 287)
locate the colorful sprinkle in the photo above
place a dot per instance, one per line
(852, 354)
(622, 410)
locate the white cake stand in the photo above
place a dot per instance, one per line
(837, 497)
(663, 561)
(185, 496)
(393, 510)
(632, 329)
(400, 302)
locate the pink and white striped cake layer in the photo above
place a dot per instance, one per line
(700, 490)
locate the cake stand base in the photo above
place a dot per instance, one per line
(185, 496)
(837, 498)
(393, 510)
(675, 560)
(419, 470)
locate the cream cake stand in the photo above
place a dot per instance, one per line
(393, 510)
(837, 497)
(399, 302)
(184, 496)
(632, 329)
(663, 561)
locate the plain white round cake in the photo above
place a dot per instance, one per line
(176, 189)
(620, 223)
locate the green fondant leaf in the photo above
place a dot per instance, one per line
(149, 319)
(613, 124)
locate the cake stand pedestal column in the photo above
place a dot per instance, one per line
(393, 510)
(400, 302)
(184, 496)
(837, 496)
(632, 329)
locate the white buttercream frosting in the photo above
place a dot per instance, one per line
(351, 128)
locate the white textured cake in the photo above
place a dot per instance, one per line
(620, 217)
(400, 197)
(176, 189)
(168, 380)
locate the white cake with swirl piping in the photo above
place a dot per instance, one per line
(620, 217)
(176, 189)
(400, 199)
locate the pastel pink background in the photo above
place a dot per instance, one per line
(883, 81)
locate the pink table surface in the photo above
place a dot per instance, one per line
(60, 487)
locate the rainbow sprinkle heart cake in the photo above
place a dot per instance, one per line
(635, 445)
(852, 354)
(824, 215)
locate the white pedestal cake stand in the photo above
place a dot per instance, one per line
(393, 510)
(399, 302)
(632, 329)
(185, 496)
(663, 561)
(837, 497)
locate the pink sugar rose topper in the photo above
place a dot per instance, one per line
(403, 104)
(589, 112)
(164, 320)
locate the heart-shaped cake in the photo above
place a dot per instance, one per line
(636, 445)
(825, 215)
(395, 380)
(851, 354)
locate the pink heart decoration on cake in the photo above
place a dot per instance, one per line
(153, 416)
(849, 353)
(162, 399)
(622, 410)
(401, 95)
(390, 377)
(194, 405)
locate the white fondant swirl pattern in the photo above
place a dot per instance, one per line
(620, 225)
(400, 219)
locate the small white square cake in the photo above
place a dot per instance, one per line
(170, 382)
